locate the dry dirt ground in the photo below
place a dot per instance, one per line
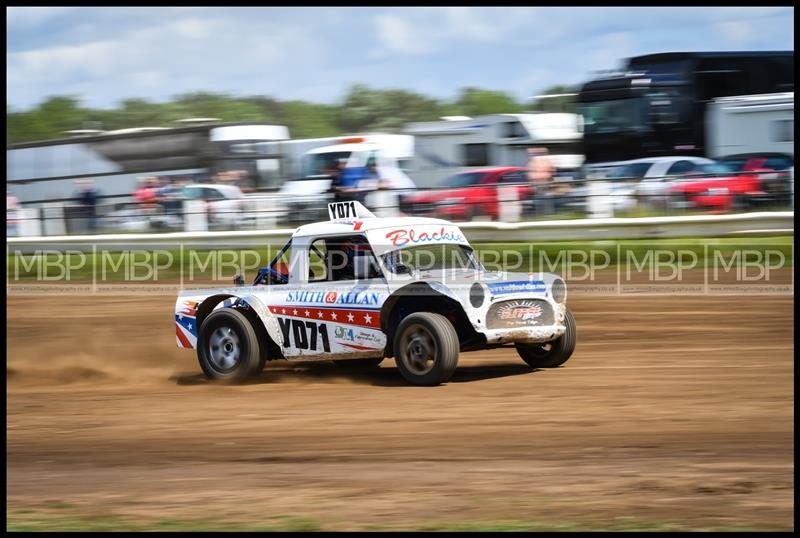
(674, 412)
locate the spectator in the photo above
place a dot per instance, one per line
(341, 191)
(540, 177)
(145, 194)
(87, 195)
(373, 179)
(169, 196)
(12, 216)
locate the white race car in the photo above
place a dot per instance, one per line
(358, 289)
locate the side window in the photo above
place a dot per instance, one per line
(213, 195)
(476, 154)
(193, 193)
(513, 177)
(778, 163)
(317, 268)
(680, 167)
(350, 258)
(277, 272)
(783, 131)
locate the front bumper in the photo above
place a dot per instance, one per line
(546, 326)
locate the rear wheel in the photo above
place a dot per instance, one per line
(551, 354)
(228, 347)
(426, 348)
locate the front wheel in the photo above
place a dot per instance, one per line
(551, 354)
(426, 348)
(228, 347)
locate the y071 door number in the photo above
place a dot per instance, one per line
(304, 334)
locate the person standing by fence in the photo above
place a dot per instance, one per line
(87, 195)
(540, 176)
(12, 217)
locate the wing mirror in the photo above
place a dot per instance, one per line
(401, 269)
(238, 280)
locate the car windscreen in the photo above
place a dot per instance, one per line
(633, 170)
(432, 257)
(322, 164)
(463, 180)
(773, 162)
(714, 169)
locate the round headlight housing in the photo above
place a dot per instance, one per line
(558, 290)
(476, 295)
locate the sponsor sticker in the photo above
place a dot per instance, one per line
(501, 288)
(518, 313)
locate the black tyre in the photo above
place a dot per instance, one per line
(228, 347)
(359, 363)
(552, 354)
(426, 348)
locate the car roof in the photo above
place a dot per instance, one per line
(655, 160)
(757, 154)
(491, 169)
(347, 226)
(220, 186)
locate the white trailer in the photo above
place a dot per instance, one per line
(761, 123)
(304, 194)
(457, 144)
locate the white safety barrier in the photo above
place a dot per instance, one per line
(601, 204)
(196, 216)
(53, 216)
(385, 202)
(28, 224)
(509, 204)
(743, 224)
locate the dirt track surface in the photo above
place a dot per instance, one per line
(676, 410)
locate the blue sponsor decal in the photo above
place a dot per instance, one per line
(519, 286)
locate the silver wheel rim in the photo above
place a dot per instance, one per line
(419, 349)
(224, 349)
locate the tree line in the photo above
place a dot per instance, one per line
(362, 109)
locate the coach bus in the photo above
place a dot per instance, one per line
(657, 105)
(46, 171)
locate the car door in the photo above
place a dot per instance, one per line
(326, 313)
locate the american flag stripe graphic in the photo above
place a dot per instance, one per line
(344, 316)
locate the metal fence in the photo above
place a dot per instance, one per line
(558, 200)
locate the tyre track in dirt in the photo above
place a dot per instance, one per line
(673, 409)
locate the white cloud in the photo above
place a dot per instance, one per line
(402, 36)
(110, 54)
(32, 16)
(171, 57)
(465, 22)
(735, 32)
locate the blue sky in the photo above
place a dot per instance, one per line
(104, 55)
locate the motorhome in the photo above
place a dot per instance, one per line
(46, 171)
(762, 123)
(459, 144)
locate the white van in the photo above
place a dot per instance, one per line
(306, 198)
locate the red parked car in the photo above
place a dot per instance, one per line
(720, 189)
(467, 194)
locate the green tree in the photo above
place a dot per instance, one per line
(477, 102)
(362, 109)
(564, 102)
(366, 109)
